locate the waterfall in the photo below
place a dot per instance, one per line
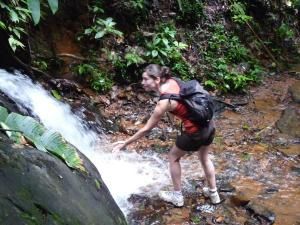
(124, 173)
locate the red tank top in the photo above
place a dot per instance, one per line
(181, 110)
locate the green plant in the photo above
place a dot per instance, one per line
(296, 3)
(196, 219)
(97, 79)
(164, 49)
(100, 27)
(285, 31)
(239, 15)
(40, 64)
(236, 50)
(35, 8)
(224, 58)
(13, 21)
(191, 11)
(133, 57)
(103, 27)
(16, 14)
(138, 4)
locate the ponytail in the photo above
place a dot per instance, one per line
(165, 72)
(155, 71)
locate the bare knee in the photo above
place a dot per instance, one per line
(175, 154)
(203, 153)
(173, 157)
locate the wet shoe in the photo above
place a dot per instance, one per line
(212, 194)
(176, 198)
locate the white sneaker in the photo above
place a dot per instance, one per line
(174, 197)
(212, 194)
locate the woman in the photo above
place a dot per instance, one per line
(193, 139)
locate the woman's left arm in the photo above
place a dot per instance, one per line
(161, 107)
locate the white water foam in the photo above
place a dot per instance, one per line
(123, 173)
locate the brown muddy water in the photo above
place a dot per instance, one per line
(260, 160)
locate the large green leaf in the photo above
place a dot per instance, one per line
(55, 143)
(15, 136)
(3, 114)
(35, 9)
(13, 120)
(31, 128)
(43, 139)
(53, 5)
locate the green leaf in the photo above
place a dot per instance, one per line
(14, 43)
(100, 34)
(34, 7)
(13, 16)
(15, 136)
(179, 4)
(56, 94)
(3, 114)
(55, 143)
(163, 53)
(2, 25)
(3, 5)
(154, 53)
(88, 31)
(53, 5)
(17, 33)
(166, 42)
(30, 128)
(43, 139)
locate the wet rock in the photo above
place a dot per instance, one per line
(292, 150)
(295, 91)
(296, 170)
(240, 199)
(271, 190)
(261, 211)
(289, 123)
(40, 189)
(177, 216)
(66, 87)
(226, 187)
(9, 104)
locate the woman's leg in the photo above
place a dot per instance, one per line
(175, 169)
(208, 167)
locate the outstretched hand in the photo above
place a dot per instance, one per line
(117, 146)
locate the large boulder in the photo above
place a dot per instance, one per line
(289, 123)
(38, 188)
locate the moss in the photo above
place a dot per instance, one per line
(24, 194)
(57, 218)
(98, 184)
(30, 219)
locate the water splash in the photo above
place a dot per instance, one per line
(124, 173)
(52, 113)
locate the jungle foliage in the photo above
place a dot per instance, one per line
(16, 16)
(220, 46)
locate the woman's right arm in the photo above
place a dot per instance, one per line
(161, 107)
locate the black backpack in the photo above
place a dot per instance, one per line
(198, 101)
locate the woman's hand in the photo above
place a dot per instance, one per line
(119, 145)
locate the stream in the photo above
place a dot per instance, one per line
(249, 153)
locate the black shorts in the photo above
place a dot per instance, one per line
(192, 142)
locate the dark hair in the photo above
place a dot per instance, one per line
(155, 71)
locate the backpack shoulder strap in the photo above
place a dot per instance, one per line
(170, 96)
